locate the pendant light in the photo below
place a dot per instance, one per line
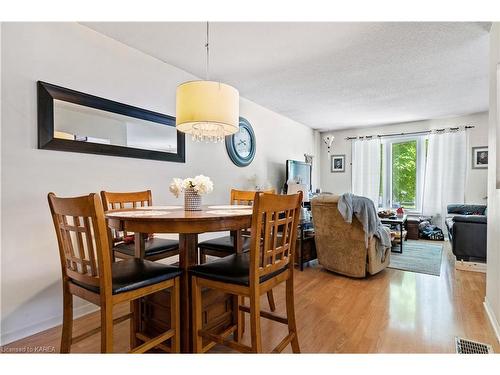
(207, 110)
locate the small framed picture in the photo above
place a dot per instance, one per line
(337, 163)
(479, 157)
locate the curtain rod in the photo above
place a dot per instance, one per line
(409, 133)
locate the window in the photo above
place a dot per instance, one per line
(402, 171)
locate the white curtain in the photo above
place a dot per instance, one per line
(366, 168)
(444, 174)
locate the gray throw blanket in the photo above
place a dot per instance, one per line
(366, 213)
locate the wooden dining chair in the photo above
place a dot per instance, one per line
(155, 248)
(268, 263)
(89, 273)
(224, 246)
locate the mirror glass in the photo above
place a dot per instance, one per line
(86, 124)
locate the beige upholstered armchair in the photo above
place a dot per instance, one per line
(341, 246)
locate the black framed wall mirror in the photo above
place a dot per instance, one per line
(73, 121)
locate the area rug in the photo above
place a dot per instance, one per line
(419, 257)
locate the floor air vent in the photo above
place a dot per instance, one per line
(464, 346)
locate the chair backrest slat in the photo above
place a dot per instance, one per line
(246, 197)
(274, 232)
(82, 238)
(79, 241)
(90, 246)
(123, 200)
(66, 235)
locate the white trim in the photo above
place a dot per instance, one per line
(492, 318)
(18, 334)
(470, 266)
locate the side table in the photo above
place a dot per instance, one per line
(306, 247)
(398, 221)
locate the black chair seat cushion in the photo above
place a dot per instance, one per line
(232, 269)
(224, 244)
(153, 246)
(131, 274)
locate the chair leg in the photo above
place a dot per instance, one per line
(197, 315)
(255, 332)
(106, 328)
(237, 318)
(242, 316)
(67, 326)
(290, 313)
(135, 309)
(203, 257)
(270, 300)
(175, 316)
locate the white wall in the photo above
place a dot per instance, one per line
(492, 300)
(73, 56)
(1, 27)
(476, 181)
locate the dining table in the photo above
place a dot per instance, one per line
(143, 221)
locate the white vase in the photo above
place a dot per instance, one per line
(192, 200)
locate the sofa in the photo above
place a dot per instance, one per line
(341, 246)
(467, 227)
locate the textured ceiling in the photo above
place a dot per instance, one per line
(331, 75)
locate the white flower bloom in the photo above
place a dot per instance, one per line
(188, 183)
(201, 184)
(176, 187)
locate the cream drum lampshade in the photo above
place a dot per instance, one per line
(206, 109)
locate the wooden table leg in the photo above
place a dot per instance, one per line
(139, 245)
(237, 237)
(188, 256)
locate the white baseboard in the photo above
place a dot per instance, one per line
(18, 334)
(492, 318)
(470, 266)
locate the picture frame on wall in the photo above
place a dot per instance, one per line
(337, 163)
(480, 157)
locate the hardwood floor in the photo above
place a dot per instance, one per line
(392, 312)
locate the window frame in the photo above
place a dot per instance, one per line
(386, 170)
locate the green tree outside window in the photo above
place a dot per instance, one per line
(404, 174)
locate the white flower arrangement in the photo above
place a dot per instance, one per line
(201, 185)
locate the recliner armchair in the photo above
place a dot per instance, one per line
(467, 229)
(341, 246)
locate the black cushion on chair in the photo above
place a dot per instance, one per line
(153, 246)
(224, 244)
(131, 274)
(232, 269)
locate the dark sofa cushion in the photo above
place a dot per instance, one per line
(467, 209)
(481, 219)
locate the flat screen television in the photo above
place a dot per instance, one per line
(299, 172)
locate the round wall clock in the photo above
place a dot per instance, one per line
(241, 145)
